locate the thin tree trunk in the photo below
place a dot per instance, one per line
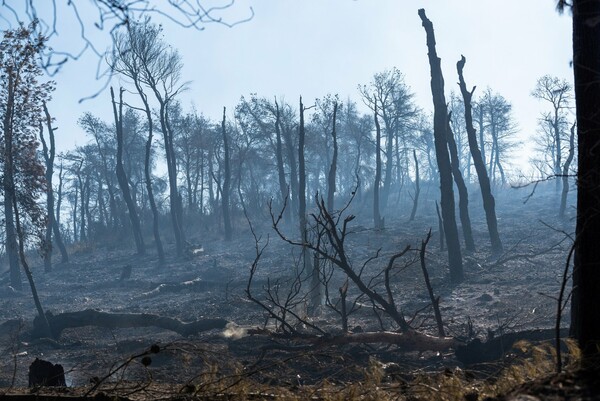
(289, 144)
(489, 204)
(463, 193)
(333, 167)
(417, 188)
(440, 116)
(283, 187)
(8, 192)
(565, 173)
(226, 181)
(377, 220)
(64, 256)
(122, 177)
(34, 293)
(309, 267)
(148, 178)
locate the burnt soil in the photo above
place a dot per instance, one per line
(502, 293)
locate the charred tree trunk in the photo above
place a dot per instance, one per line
(174, 200)
(283, 187)
(148, 177)
(377, 220)
(64, 255)
(122, 177)
(9, 193)
(34, 293)
(226, 181)
(440, 115)
(289, 145)
(463, 193)
(489, 204)
(585, 324)
(308, 267)
(333, 168)
(417, 188)
(48, 152)
(565, 174)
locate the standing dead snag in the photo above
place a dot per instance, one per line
(440, 116)
(565, 173)
(463, 194)
(415, 197)
(435, 302)
(122, 177)
(226, 180)
(489, 204)
(378, 221)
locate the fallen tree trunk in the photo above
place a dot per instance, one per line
(90, 317)
(408, 341)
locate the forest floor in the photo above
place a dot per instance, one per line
(511, 292)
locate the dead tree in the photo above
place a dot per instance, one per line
(331, 234)
(489, 204)
(122, 177)
(440, 116)
(463, 193)
(565, 173)
(49, 152)
(415, 197)
(435, 302)
(283, 186)
(377, 220)
(307, 265)
(226, 188)
(333, 167)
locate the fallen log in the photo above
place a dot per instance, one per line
(91, 317)
(409, 341)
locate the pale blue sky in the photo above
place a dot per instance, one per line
(315, 47)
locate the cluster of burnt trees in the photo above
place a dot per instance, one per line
(154, 161)
(265, 149)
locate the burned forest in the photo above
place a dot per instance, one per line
(427, 234)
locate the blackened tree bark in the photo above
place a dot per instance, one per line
(283, 186)
(122, 177)
(489, 204)
(585, 317)
(148, 178)
(333, 167)
(565, 173)
(49, 152)
(9, 193)
(417, 187)
(226, 180)
(289, 146)
(64, 255)
(308, 267)
(463, 193)
(440, 115)
(377, 220)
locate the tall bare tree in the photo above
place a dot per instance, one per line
(122, 176)
(440, 126)
(489, 204)
(557, 92)
(151, 63)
